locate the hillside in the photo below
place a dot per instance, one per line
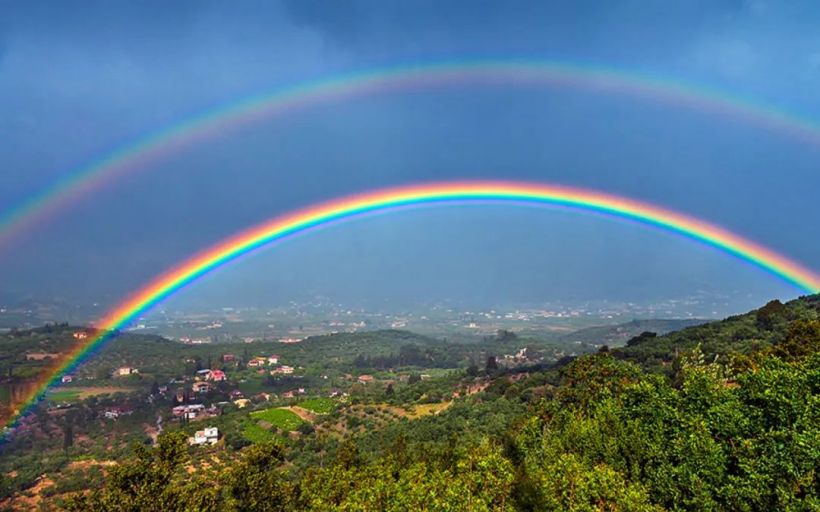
(746, 333)
(721, 416)
(618, 335)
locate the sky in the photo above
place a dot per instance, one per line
(78, 80)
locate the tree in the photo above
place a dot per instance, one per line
(641, 338)
(802, 339)
(256, 482)
(152, 480)
(768, 315)
(305, 428)
(505, 335)
(492, 364)
(68, 436)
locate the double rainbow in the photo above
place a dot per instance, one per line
(347, 208)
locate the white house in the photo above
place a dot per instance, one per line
(208, 436)
(115, 412)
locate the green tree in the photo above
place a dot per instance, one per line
(256, 483)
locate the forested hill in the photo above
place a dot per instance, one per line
(617, 335)
(749, 332)
(732, 422)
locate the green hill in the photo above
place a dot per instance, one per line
(618, 335)
(731, 422)
(752, 331)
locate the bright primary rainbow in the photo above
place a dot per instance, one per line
(420, 195)
(137, 155)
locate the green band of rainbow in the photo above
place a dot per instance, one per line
(139, 155)
(419, 195)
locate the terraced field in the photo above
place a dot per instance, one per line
(319, 405)
(280, 418)
(256, 434)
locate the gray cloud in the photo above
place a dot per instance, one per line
(81, 79)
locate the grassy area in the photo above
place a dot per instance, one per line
(256, 434)
(252, 385)
(281, 418)
(81, 393)
(64, 395)
(419, 410)
(319, 405)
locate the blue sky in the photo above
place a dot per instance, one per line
(79, 80)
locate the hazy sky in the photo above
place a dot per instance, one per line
(78, 79)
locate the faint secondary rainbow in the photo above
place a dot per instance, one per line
(139, 154)
(347, 208)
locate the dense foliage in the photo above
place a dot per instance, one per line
(724, 416)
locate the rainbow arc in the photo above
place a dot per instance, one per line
(425, 195)
(142, 153)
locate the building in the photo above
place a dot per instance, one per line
(209, 435)
(241, 403)
(66, 379)
(282, 370)
(274, 359)
(125, 371)
(201, 387)
(40, 356)
(217, 376)
(365, 379)
(256, 362)
(236, 394)
(80, 335)
(227, 358)
(190, 411)
(115, 412)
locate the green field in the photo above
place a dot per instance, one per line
(281, 418)
(256, 434)
(252, 385)
(318, 405)
(64, 396)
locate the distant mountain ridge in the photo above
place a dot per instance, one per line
(617, 335)
(744, 333)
